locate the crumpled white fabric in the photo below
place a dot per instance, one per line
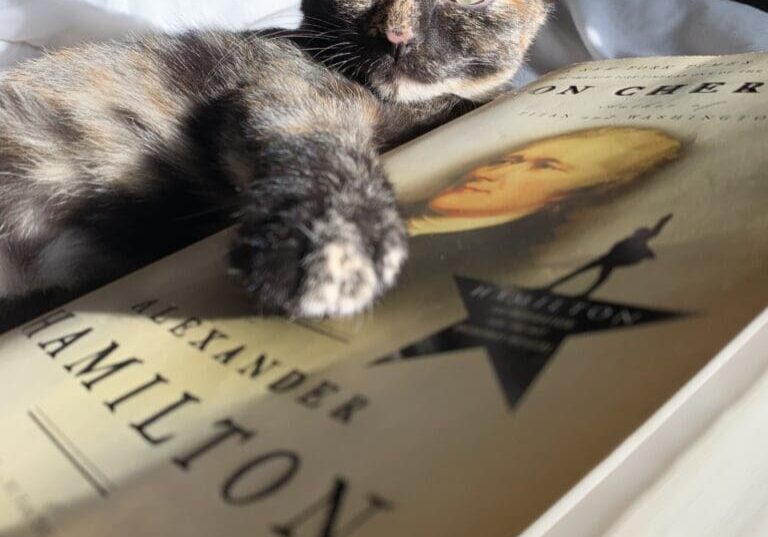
(582, 30)
(29, 26)
(579, 30)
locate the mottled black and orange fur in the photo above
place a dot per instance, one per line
(114, 154)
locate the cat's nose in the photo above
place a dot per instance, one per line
(399, 36)
(401, 40)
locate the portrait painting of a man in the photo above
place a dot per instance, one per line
(544, 172)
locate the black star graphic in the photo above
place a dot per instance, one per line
(521, 329)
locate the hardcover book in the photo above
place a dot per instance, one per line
(580, 250)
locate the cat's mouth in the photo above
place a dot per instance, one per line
(403, 85)
(404, 81)
(416, 79)
(397, 73)
(409, 66)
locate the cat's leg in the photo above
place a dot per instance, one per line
(35, 253)
(38, 251)
(319, 232)
(55, 211)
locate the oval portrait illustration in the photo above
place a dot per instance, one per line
(542, 173)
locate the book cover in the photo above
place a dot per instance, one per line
(580, 249)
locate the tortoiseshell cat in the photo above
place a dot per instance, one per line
(114, 154)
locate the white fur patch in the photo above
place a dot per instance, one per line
(30, 222)
(408, 90)
(54, 171)
(340, 281)
(391, 263)
(64, 261)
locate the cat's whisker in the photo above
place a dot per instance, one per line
(331, 47)
(279, 34)
(307, 232)
(346, 67)
(338, 18)
(369, 66)
(308, 24)
(330, 59)
(206, 212)
(339, 56)
(338, 66)
(333, 60)
(359, 67)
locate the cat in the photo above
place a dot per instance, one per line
(114, 154)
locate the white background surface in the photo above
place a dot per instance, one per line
(720, 488)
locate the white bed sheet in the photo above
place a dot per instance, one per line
(582, 30)
(29, 26)
(579, 30)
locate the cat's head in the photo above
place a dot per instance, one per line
(416, 50)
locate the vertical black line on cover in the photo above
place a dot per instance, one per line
(71, 446)
(69, 455)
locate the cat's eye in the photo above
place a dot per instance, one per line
(470, 3)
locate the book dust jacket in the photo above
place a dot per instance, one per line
(579, 250)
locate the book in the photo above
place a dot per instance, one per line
(582, 249)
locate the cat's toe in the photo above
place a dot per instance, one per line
(340, 280)
(346, 274)
(269, 267)
(393, 252)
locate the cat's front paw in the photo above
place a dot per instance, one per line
(321, 262)
(340, 279)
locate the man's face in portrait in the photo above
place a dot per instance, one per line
(546, 171)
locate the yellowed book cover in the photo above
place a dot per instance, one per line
(580, 249)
